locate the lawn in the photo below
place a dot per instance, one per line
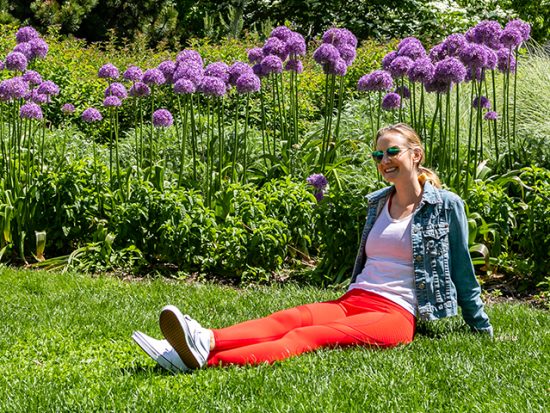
(65, 346)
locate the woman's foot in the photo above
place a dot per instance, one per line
(190, 340)
(160, 351)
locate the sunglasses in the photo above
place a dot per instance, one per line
(390, 152)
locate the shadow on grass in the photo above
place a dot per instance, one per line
(144, 370)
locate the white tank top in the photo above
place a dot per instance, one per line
(389, 268)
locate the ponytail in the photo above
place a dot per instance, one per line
(427, 174)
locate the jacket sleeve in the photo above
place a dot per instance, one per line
(462, 271)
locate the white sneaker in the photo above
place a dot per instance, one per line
(189, 339)
(160, 351)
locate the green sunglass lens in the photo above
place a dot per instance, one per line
(393, 151)
(378, 155)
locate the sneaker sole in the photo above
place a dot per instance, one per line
(151, 352)
(176, 333)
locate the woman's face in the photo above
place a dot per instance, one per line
(401, 165)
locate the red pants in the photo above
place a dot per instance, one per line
(358, 317)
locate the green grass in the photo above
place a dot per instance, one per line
(65, 346)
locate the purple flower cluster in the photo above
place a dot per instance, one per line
(459, 58)
(116, 89)
(242, 76)
(337, 52)
(30, 45)
(491, 115)
(212, 86)
(319, 182)
(16, 61)
(481, 102)
(162, 118)
(376, 81)
(108, 71)
(91, 115)
(153, 77)
(30, 110)
(391, 101)
(282, 44)
(68, 108)
(139, 89)
(112, 102)
(133, 74)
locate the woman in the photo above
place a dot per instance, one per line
(413, 263)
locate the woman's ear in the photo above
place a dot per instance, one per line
(417, 155)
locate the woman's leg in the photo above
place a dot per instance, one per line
(276, 325)
(383, 329)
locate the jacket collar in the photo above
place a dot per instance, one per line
(430, 194)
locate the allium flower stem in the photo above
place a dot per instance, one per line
(457, 139)
(514, 97)
(183, 136)
(432, 127)
(469, 151)
(338, 116)
(245, 139)
(495, 121)
(193, 138)
(265, 138)
(221, 138)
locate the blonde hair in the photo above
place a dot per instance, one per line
(413, 139)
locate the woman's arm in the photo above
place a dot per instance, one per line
(462, 271)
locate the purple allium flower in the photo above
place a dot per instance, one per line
(388, 59)
(477, 73)
(48, 88)
(32, 77)
(116, 89)
(248, 83)
(281, 32)
(506, 60)
(219, 70)
(236, 70)
(481, 102)
(450, 70)
(255, 55)
(473, 55)
(258, 70)
(391, 101)
(470, 35)
(400, 66)
(24, 48)
(35, 97)
(184, 87)
(333, 36)
(511, 37)
(403, 91)
(167, 68)
(412, 48)
(378, 80)
(523, 27)
(438, 53)
(348, 37)
(133, 74)
(407, 41)
(39, 48)
(271, 64)
(326, 53)
(453, 43)
(91, 115)
(488, 33)
(318, 181)
(338, 68)
(319, 195)
(212, 86)
(112, 102)
(191, 70)
(153, 77)
(348, 53)
(421, 70)
(294, 65)
(14, 88)
(108, 71)
(295, 45)
(25, 34)
(162, 118)
(30, 111)
(491, 115)
(189, 55)
(16, 61)
(491, 59)
(139, 89)
(275, 46)
(67, 108)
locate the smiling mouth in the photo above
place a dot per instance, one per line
(390, 169)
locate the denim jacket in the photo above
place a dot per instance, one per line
(443, 271)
